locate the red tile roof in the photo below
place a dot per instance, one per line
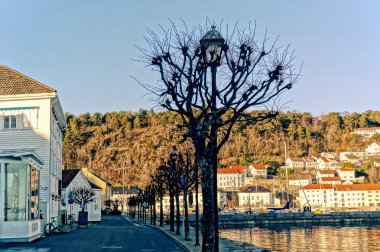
(318, 187)
(325, 159)
(358, 187)
(233, 169)
(260, 166)
(15, 83)
(326, 172)
(330, 179)
(243, 167)
(346, 169)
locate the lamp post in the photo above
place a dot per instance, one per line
(196, 205)
(123, 200)
(249, 199)
(212, 52)
(172, 158)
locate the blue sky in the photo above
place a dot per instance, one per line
(84, 49)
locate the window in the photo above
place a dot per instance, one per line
(34, 192)
(10, 122)
(15, 192)
(95, 204)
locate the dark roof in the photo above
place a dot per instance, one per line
(255, 189)
(119, 190)
(68, 176)
(15, 83)
(93, 186)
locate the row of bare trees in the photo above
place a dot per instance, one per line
(175, 175)
(252, 74)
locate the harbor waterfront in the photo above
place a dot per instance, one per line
(237, 220)
(309, 237)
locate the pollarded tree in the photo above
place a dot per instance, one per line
(252, 75)
(83, 196)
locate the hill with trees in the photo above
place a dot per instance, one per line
(136, 141)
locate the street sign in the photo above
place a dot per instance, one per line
(71, 201)
(183, 182)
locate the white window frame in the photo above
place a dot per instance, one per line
(8, 125)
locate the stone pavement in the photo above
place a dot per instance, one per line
(225, 245)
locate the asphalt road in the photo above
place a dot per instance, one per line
(113, 234)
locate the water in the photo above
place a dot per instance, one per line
(310, 238)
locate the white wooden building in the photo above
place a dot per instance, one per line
(32, 119)
(72, 180)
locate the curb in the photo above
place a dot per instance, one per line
(181, 245)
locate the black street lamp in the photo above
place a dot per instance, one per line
(212, 49)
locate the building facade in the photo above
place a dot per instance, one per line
(32, 119)
(367, 132)
(231, 177)
(341, 196)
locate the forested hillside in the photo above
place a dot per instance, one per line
(108, 142)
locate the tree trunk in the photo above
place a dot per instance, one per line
(208, 217)
(196, 208)
(186, 221)
(178, 219)
(171, 215)
(154, 213)
(161, 211)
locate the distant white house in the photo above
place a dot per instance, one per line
(328, 163)
(347, 175)
(255, 196)
(296, 163)
(330, 180)
(191, 202)
(367, 132)
(329, 154)
(300, 181)
(258, 170)
(231, 177)
(121, 195)
(325, 173)
(359, 154)
(373, 148)
(73, 180)
(310, 162)
(32, 119)
(353, 159)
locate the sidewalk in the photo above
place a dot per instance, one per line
(225, 245)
